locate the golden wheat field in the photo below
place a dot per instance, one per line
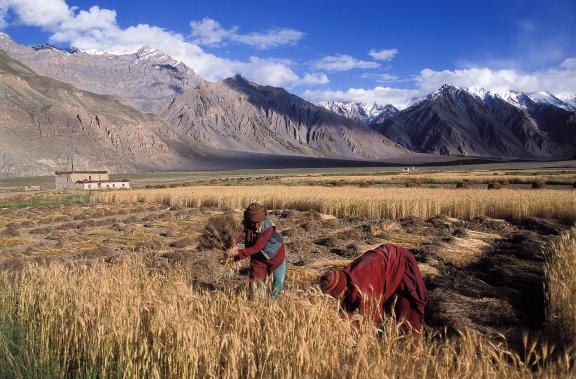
(116, 287)
(371, 203)
(553, 177)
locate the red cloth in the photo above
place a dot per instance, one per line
(376, 276)
(254, 243)
(260, 266)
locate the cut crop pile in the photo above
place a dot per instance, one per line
(219, 233)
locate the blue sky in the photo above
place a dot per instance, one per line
(339, 50)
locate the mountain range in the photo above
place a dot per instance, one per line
(455, 121)
(146, 111)
(146, 79)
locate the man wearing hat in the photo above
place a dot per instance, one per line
(265, 248)
(373, 280)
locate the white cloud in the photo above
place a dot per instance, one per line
(39, 13)
(3, 14)
(380, 78)
(272, 38)
(383, 55)
(560, 79)
(97, 29)
(569, 64)
(315, 78)
(209, 32)
(341, 62)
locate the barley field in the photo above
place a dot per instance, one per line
(560, 272)
(552, 177)
(127, 320)
(370, 203)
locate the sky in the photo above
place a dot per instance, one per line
(370, 51)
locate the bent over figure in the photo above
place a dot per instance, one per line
(371, 281)
(265, 248)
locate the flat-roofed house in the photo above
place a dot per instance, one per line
(88, 180)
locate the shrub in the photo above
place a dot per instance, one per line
(538, 184)
(463, 184)
(416, 182)
(494, 185)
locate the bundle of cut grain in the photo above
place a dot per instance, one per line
(219, 233)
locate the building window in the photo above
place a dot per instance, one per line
(89, 185)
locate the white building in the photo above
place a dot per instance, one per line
(88, 180)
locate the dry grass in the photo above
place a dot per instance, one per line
(371, 203)
(565, 177)
(561, 289)
(462, 252)
(126, 320)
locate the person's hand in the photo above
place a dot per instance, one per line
(232, 252)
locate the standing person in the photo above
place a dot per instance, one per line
(265, 248)
(372, 280)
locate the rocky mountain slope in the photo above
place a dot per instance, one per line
(453, 121)
(388, 111)
(45, 124)
(236, 114)
(146, 80)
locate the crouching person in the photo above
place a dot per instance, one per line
(374, 280)
(265, 248)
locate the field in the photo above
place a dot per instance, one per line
(115, 285)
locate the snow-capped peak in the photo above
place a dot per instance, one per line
(158, 57)
(520, 99)
(569, 99)
(359, 111)
(47, 46)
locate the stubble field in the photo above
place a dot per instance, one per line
(118, 287)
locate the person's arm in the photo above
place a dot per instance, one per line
(259, 245)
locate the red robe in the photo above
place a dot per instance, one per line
(376, 276)
(259, 264)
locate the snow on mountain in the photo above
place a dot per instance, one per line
(47, 46)
(362, 112)
(156, 56)
(353, 109)
(520, 99)
(569, 99)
